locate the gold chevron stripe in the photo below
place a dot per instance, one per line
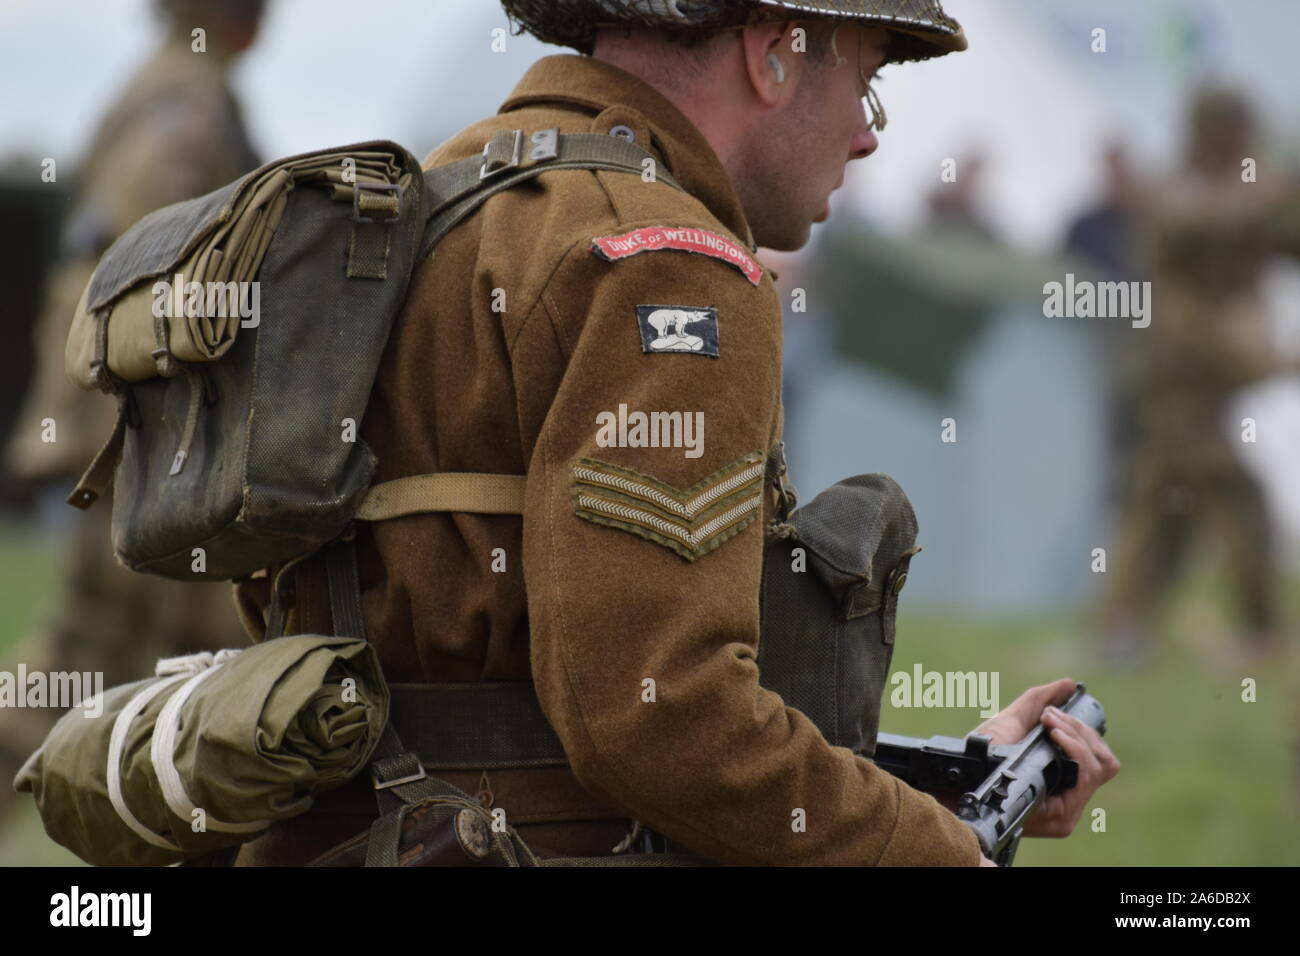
(687, 507)
(691, 522)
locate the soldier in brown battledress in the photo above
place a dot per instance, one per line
(1207, 232)
(629, 591)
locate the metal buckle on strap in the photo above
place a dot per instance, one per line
(502, 152)
(100, 376)
(546, 145)
(397, 764)
(391, 210)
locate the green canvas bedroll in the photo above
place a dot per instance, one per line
(209, 752)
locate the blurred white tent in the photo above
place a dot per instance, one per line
(1013, 523)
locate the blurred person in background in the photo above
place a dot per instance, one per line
(1104, 239)
(1104, 234)
(1208, 230)
(174, 132)
(954, 206)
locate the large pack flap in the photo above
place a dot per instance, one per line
(206, 252)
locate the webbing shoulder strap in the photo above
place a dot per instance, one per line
(457, 189)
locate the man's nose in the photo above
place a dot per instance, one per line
(865, 142)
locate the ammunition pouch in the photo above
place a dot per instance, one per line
(831, 578)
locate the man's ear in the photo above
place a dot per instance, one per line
(774, 69)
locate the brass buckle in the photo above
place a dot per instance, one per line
(359, 187)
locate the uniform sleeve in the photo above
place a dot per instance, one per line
(643, 553)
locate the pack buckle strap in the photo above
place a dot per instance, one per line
(99, 476)
(370, 198)
(376, 207)
(456, 189)
(501, 152)
(505, 151)
(395, 771)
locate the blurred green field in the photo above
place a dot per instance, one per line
(1207, 780)
(28, 571)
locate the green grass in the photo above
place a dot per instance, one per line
(28, 572)
(1206, 779)
(28, 566)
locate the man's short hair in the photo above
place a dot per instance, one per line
(693, 52)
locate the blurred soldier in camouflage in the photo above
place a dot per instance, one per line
(174, 132)
(1208, 233)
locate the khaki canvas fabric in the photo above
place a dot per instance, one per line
(259, 736)
(231, 252)
(592, 610)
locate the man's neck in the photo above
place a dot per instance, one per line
(707, 113)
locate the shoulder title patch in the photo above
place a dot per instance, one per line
(655, 238)
(691, 521)
(678, 328)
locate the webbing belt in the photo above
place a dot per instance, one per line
(475, 726)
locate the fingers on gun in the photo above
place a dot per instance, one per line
(1058, 819)
(1037, 699)
(1098, 749)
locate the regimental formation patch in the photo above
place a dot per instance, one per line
(691, 521)
(655, 238)
(678, 328)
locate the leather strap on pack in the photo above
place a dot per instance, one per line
(97, 478)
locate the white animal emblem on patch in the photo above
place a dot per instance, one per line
(675, 328)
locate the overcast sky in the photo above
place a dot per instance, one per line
(1030, 90)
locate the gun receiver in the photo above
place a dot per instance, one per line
(999, 785)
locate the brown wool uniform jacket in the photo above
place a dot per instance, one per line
(630, 563)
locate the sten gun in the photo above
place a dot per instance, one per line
(998, 785)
